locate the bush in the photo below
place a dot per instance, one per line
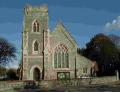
(12, 75)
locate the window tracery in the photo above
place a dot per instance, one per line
(61, 57)
(36, 26)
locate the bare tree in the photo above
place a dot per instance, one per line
(7, 52)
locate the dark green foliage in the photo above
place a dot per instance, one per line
(7, 52)
(19, 71)
(103, 51)
(2, 71)
(115, 39)
(12, 74)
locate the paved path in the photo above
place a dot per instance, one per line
(98, 89)
(38, 90)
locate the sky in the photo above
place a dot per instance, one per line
(82, 18)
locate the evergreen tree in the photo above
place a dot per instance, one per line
(104, 52)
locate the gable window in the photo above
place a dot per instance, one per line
(63, 60)
(59, 60)
(66, 57)
(61, 57)
(36, 26)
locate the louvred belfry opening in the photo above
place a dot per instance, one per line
(36, 26)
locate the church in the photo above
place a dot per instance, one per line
(49, 54)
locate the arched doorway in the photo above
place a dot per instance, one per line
(36, 74)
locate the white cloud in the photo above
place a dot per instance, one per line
(13, 64)
(115, 24)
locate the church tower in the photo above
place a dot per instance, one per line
(35, 37)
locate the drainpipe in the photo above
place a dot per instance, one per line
(43, 58)
(75, 69)
(21, 72)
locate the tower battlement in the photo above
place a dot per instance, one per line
(31, 9)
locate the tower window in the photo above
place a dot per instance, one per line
(36, 26)
(36, 46)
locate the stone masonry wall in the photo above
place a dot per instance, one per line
(105, 80)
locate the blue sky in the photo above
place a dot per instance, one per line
(82, 18)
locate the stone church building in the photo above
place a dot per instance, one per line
(49, 54)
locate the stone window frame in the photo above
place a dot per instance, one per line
(57, 50)
(33, 51)
(36, 22)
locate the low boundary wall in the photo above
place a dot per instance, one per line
(5, 85)
(104, 80)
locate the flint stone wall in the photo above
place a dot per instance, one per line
(6, 85)
(105, 80)
(10, 85)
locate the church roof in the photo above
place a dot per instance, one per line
(65, 31)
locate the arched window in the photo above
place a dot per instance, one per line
(61, 57)
(36, 46)
(63, 60)
(59, 60)
(36, 26)
(55, 59)
(67, 60)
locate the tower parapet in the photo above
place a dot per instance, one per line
(30, 9)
